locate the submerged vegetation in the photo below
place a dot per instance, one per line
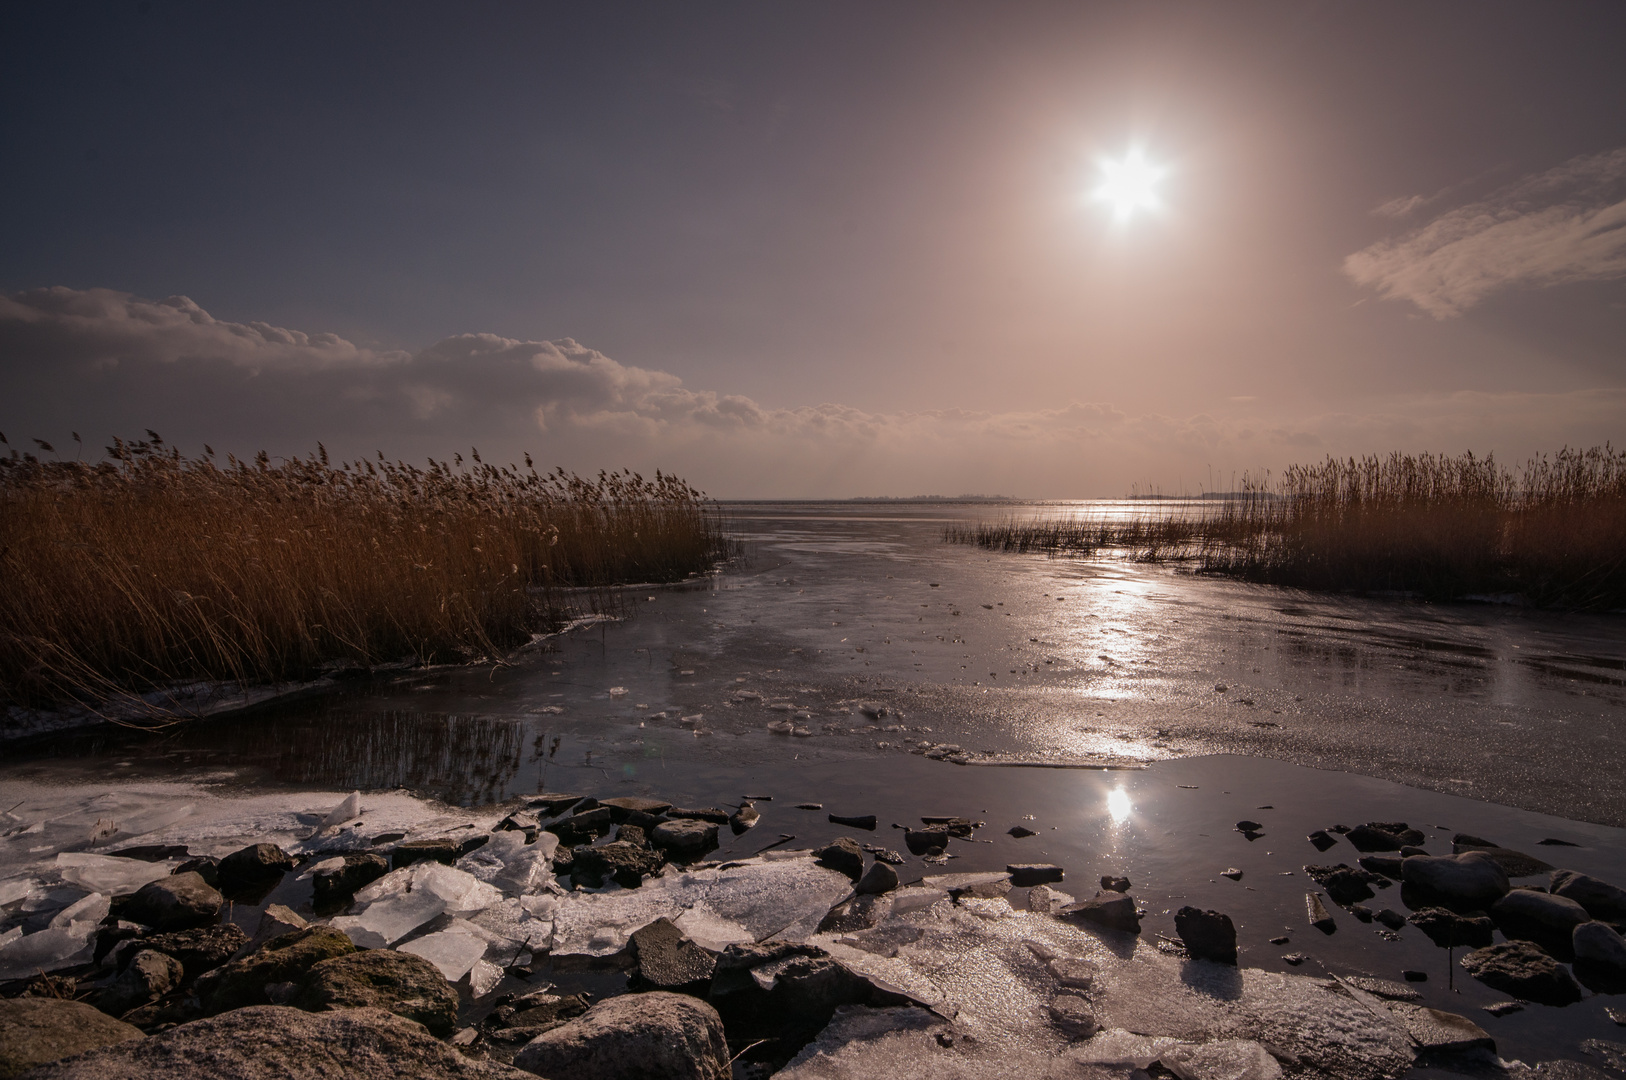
(1552, 533)
(150, 568)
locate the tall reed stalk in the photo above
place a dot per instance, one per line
(150, 568)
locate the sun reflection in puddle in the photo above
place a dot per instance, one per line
(1119, 806)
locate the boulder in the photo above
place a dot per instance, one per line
(254, 867)
(931, 840)
(1513, 863)
(1027, 875)
(275, 921)
(582, 827)
(146, 977)
(1110, 910)
(177, 902)
(270, 1042)
(685, 837)
(1387, 865)
(199, 950)
(36, 1030)
(746, 817)
(401, 983)
(1449, 930)
(879, 878)
(539, 1008)
(843, 854)
(625, 862)
(1344, 884)
(669, 961)
(1600, 957)
(1601, 899)
(442, 850)
(282, 960)
(1468, 881)
(1522, 970)
(1114, 884)
(1207, 935)
(654, 1036)
(339, 883)
(1540, 917)
(700, 813)
(205, 866)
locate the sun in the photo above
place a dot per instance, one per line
(1129, 184)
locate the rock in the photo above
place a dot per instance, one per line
(1464, 882)
(1114, 884)
(177, 902)
(1366, 838)
(110, 935)
(1391, 918)
(1522, 970)
(1601, 899)
(686, 837)
(1322, 839)
(1020, 831)
(1383, 988)
(271, 1042)
(931, 840)
(1387, 865)
(1344, 884)
(1207, 935)
(1247, 826)
(146, 977)
(622, 806)
(537, 1008)
(397, 982)
(1316, 912)
(1414, 976)
(281, 960)
(1026, 875)
(844, 855)
(669, 961)
(1503, 1008)
(1072, 972)
(858, 912)
(862, 821)
(1361, 912)
(552, 802)
(708, 813)
(627, 863)
(1600, 957)
(1449, 930)
(879, 878)
(254, 867)
(1044, 899)
(443, 850)
(1071, 1013)
(1231, 872)
(1513, 863)
(205, 866)
(1547, 920)
(199, 950)
(654, 1036)
(275, 921)
(340, 883)
(36, 1030)
(746, 817)
(1436, 1031)
(1111, 910)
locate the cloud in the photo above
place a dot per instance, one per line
(1561, 226)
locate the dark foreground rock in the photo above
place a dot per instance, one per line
(177, 902)
(1110, 910)
(283, 960)
(685, 836)
(1207, 935)
(200, 950)
(1027, 875)
(1464, 882)
(146, 977)
(34, 1031)
(1535, 916)
(270, 1042)
(397, 982)
(1601, 899)
(1449, 930)
(622, 861)
(1600, 958)
(669, 961)
(254, 867)
(654, 1036)
(341, 882)
(843, 854)
(1521, 970)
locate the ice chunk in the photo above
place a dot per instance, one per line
(1119, 1047)
(359, 933)
(15, 889)
(453, 950)
(394, 917)
(459, 892)
(508, 863)
(92, 909)
(47, 950)
(347, 810)
(1227, 1059)
(335, 863)
(483, 978)
(109, 874)
(709, 930)
(512, 929)
(10, 935)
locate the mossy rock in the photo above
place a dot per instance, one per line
(282, 960)
(406, 985)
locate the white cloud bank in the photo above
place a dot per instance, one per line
(106, 363)
(1565, 225)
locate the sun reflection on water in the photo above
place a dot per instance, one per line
(1118, 805)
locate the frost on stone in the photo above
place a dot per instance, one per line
(453, 950)
(109, 874)
(1225, 1059)
(47, 950)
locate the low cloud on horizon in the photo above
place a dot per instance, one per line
(108, 363)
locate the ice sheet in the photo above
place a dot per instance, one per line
(453, 950)
(47, 950)
(109, 874)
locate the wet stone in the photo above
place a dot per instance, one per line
(177, 902)
(1522, 970)
(1515, 864)
(1547, 920)
(685, 837)
(1463, 882)
(582, 827)
(254, 867)
(1504, 1008)
(708, 813)
(1020, 831)
(340, 883)
(669, 961)
(1344, 884)
(1026, 875)
(1391, 918)
(199, 950)
(1601, 899)
(552, 803)
(1600, 958)
(843, 854)
(879, 878)
(205, 866)
(1387, 865)
(1207, 935)
(1447, 929)
(1322, 839)
(1114, 884)
(539, 1008)
(1110, 910)
(411, 851)
(1316, 912)
(621, 806)
(886, 855)
(746, 817)
(627, 864)
(859, 821)
(928, 841)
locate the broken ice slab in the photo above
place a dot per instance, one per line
(15, 889)
(1123, 1048)
(458, 891)
(710, 930)
(109, 874)
(865, 1042)
(348, 810)
(388, 920)
(508, 863)
(483, 978)
(89, 909)
(518, 925)
(47, 950)
(453, 950)
(1224, 1059)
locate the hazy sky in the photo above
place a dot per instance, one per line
(810, 249)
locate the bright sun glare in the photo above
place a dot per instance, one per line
(1118, 805)
(1129, 184)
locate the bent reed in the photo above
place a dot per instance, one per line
(150, 569)
(1442, 527)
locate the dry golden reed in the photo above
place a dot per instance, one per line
(1442, 527)
(150, 568)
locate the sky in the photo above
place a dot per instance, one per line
(818, 249)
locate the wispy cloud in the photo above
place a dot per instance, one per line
(1565, 225)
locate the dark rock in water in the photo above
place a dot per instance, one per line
(408, 986)
(1114, 884)
(1246, 826)
(1112, 910)
(1600, 958)
(442, 850)
(1503, 1008)
(886, 855)
(253, 867)
(625, 862)
(669, 961)
(551, 803)
(844, 855)
(1361, 912)
(872, 710)
(205, 866)
(1549, 921)
(879, 878)
(538, 1008)
(177, 902)
(1463, 839)
(1316, 912)
(1414, 976)
(746, 817)
(146, 977)
(1367, 838)
(685, 837)
(988, 886)
(38, 1030)
(810, 806)
(1019, 831)
(1513, 863)
(579, 828)
(1383, 988)
(564, 859)
(1343, 883)
(480, 840)
(152, 852)
(1554, 842)
(1408, 850)
(1232, 873)
(635, 835)
(926, 841)
(1522, 970)
(858, 912)
(1391, 918)
(1207, 935)
(1438, 1032)
(1295, 958)
(1465, 882)
(1601, 899)
(1322, 839)
(528, 822)
(1072, 1015)
(1281, 940)
(273, 1043)
(621, 806)
(1449, 930)
(1341, 830)
(861, 821)
(1387, 865)
(340, 883)
(1027, 875)
(286, 959)
(958, 827)
(200, 950)
(704, 813)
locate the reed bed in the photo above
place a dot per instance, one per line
(1552, 533)
(150, 569)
